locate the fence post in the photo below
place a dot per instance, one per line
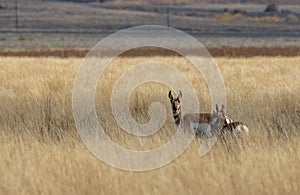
(168, 14)
(16, 10)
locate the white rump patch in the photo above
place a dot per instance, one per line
(246, 130)
(239, 128)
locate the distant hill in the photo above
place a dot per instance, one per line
(293, 2)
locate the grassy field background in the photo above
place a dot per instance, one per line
(41, 151)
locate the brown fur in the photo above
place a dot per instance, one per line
(231, 126)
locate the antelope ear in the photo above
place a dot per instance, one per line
(170, 95)
(179, 95)
(217, 108)
(222, 110)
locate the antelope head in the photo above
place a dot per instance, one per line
(176, 107)
(218, 118)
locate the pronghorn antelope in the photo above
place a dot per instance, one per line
(199, 122)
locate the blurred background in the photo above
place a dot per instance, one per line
(44, 24)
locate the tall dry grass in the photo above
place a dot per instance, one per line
(41, 151)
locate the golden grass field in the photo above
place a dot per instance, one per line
(41, 152)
